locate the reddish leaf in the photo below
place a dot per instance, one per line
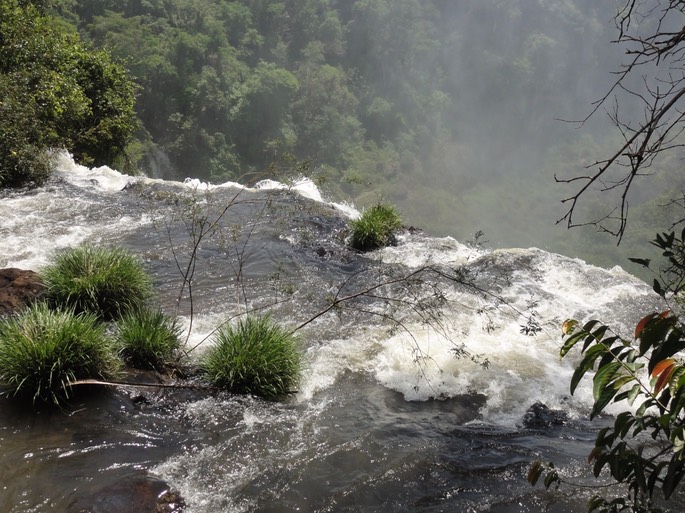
(643, 322)
(593, 455)
(664, 375)
(661, 366)
(568, 326)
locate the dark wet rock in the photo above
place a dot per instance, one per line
(540, 415)
(134, 494)
(18, 287)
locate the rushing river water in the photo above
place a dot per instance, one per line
(395, 411)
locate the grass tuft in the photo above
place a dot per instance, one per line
(42, 351)
(108, 282)
(375, 228)
(255, 356)
(147, 339)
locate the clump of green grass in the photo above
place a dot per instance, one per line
(375, 228)
(147, 338)
(255, 356)
(108, 282)
(43, 351)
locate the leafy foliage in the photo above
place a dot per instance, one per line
(56, 93)
(375, 228)
(644, 449)
(670, 278)
(108, 282)
(645, 373)
(373, 93)
(147, 338)
(43, 351)
(256, 356)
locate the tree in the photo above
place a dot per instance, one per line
(649, 87)
(56, 93)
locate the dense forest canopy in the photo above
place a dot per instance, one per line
(55, 92)
(451, 110)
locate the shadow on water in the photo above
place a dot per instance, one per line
(353, 447)
(61, 459)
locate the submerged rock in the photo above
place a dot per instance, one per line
(539, 415)
(18, 287)
(136, 494)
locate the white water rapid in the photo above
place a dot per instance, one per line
(386, 417)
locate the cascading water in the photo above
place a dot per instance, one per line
(388, 417)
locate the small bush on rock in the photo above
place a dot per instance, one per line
(147, 338)
(375, 228)
(43, 351)
(108, 282)
(255, 356)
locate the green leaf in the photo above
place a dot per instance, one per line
(551, 478)
(656, 286)
(596, 503)
(603, 377)
(603, 440)
(603, 389)
(664, 421)
(676, 469)
(644, 262)
(535, 472)
(622, 381)
(634, 392)
(653, 477)
(655, 332)
(572, 341)
(677, 381)
(590, 324)
(604, 398)
(670, 346)
(624, 421)
(585, 365)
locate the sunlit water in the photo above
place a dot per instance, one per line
(386, 417)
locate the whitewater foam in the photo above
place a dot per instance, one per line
(421, 364)
(519, 338)
(101, 178)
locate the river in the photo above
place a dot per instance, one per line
(414, 397)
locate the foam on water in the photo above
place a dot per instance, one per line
(418, 251)
(247, 442)
(307, 188)
(35, 225)
(524, 368)
(101, 178)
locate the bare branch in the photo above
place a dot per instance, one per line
(659, 56)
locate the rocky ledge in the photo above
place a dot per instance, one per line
(18, 287)
(141, 494)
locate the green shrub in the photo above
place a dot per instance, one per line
(147, 338)
(108, 282)
(255, 356)
(375, 228)
(42, 351)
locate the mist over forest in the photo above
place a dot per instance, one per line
(456, 111)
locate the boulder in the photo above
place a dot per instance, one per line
(142, 494)
(540, 416)
(18, 287)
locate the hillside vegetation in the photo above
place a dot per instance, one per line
(451, 110)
